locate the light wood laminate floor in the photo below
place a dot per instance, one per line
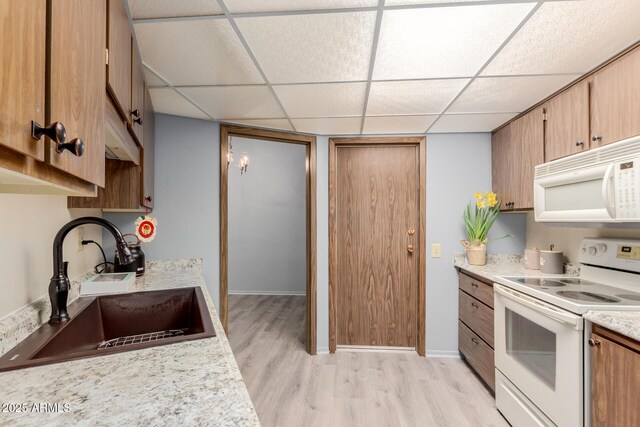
(290, 388)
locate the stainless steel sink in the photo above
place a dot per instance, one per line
(115, 323)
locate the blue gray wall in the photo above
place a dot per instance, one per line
(187, 182)
(267, 219)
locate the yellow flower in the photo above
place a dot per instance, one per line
(478, 195)
(480, 204)
(491, 195)
(492, 202)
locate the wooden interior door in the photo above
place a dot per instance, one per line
(377, 220)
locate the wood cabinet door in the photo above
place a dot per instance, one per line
(76, 84)
(615, 101)
(567, 123)
(615, 384)
(119, 67)
(137, 96)
(502, 166)
(527, 136)
(148, 158)
(22, 74)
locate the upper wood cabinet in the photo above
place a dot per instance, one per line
(516, 150)
(22, 74)
(76, 86)
(119, 56)
(567, 122)
(615, 379)
(148, 158)
(615, 100)
(136, 118)
(502, 166)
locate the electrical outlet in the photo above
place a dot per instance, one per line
(80, 235)
(436, 250)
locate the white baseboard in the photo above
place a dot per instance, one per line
(292, 293)
(443, 353)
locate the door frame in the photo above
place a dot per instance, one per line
(334, 144)
(309, 141)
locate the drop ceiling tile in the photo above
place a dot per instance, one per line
(413, 96)
(413, 2)
(236, 102)
(265, 123)
(569, 37)
(329, 126)
(397, 124)
(250, 6)
(152, 80)
(202, 52)
(443, 42)
(507, 94)
(168, 101)
(141, 9)
(456, 123)
(311, 48)
(322, 100)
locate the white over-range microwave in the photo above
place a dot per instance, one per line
(598, 186)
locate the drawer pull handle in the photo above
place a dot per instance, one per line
(474, 305)
(475, 341)
(475, 285)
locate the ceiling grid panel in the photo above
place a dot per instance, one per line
(372, 63)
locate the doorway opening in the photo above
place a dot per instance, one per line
(377, 203)
(254, 238)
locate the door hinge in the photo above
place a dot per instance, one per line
(106, 56)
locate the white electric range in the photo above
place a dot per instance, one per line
(541, 339)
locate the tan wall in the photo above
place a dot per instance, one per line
(28, 225)
(568, 239)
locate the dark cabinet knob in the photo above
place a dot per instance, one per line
(594, 343)
(595, 138)
(580, 144)
(75, 146)
(148, 198)
(55, 131)
(135, 113)
(138, 120)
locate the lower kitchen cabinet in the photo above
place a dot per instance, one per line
(475, 325)
(615, 379)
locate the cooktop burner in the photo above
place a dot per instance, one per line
(534, 281)
(587, 296)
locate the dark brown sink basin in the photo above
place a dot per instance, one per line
(115, 323)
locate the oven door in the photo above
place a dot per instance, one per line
(539, 349)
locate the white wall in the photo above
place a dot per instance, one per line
(187, 183)
(567, 239)
(267, 219)
(28, 224)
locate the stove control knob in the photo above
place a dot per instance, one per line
(602, 248)
(592, 250)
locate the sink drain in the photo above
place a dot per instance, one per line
(135, 339)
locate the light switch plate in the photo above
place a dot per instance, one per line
(436, 250)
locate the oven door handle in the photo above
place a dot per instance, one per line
(540, 307)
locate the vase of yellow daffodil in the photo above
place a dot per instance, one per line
(478, 220)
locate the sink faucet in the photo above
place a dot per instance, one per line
(59, 284)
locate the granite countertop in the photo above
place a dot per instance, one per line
(504, 265)
(624, 322)
(189, 383)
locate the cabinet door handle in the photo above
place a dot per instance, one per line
(580, 144)
(594, 343)
(138, 120)
(55, 131)
(595, 138)
(75, 146)
(135, 113)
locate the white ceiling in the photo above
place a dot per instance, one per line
(371, 66)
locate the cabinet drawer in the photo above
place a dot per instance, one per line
(479, 355)
(476, 316)
(476, 288)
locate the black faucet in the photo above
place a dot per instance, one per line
(59, 285)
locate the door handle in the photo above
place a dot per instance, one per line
(410, 249)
